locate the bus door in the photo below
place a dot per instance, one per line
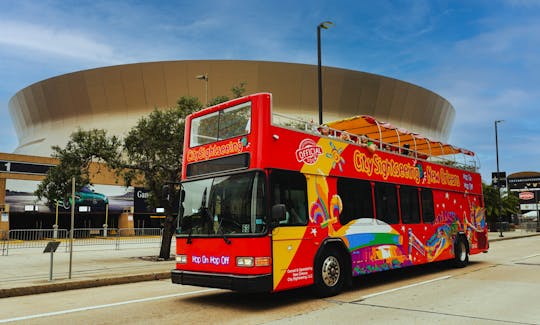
(291, 267)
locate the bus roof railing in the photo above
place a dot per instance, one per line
(388, 137)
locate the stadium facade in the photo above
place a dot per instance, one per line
(114, 98)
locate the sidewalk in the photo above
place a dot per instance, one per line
(518, 233)
(26, 271)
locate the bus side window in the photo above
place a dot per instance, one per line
(289, 188)
(428, 214)
(356, 198)
(410, 205)
(386, 203)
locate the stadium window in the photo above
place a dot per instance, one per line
(386, 203)
(410, 205)
(428, 214)
(356, 198)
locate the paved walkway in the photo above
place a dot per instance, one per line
(26, 271)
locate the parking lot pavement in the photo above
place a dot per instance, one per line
(27, 271)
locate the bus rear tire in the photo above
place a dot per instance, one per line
(461, 252)
(329, 273)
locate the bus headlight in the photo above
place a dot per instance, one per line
(181, 259)
(244, 261)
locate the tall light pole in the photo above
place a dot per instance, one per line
(324, 25)
(498, 182)
(205, 78)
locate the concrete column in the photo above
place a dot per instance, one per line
(2, 191)
(4, 221)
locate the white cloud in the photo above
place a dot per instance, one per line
(65, 43)
(516, 44)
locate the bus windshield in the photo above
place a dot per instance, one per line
(224, 205)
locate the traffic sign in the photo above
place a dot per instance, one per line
(498, 179)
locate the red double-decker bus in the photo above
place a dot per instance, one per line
(271, 203)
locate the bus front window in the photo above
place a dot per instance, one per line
(225, 205)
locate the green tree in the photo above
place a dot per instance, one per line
(218, 100)
(237, 91)
(83, 148)
(504, 205)
(153, 152)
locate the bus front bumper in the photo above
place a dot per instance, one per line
(244, 283)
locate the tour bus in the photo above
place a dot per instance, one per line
(270, 203)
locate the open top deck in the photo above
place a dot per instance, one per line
(385, 136)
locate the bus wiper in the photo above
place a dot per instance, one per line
(189, 241)
(220, 229)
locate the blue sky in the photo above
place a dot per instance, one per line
(483, 56)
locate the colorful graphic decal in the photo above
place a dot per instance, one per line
(475, 226)
(289, 271)
(335, 155)
(375, 245)
(322, 211)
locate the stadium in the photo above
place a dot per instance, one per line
(114, 98)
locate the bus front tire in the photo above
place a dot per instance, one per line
(461, 252)
(329, 273)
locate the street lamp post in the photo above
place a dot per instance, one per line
(324, 25)
(204, 77)
(498, 182)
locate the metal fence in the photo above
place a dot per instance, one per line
(529, 226)
(115, 238)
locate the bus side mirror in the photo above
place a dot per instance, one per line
(182, 195)
(279, 213)
(165, 192)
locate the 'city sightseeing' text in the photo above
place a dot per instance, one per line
(214, 151)
(385, 168)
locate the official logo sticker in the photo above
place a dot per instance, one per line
(308, 152)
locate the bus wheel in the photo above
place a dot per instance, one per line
(461, 253)
(329, 273)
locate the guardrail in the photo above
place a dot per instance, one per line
(114, 237)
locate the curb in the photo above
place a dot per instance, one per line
(82, 284)
(513, 237)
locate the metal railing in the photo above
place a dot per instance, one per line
(114, 237)
(3, 239)
(529, 226)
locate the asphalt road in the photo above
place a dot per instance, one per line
(501, 287)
